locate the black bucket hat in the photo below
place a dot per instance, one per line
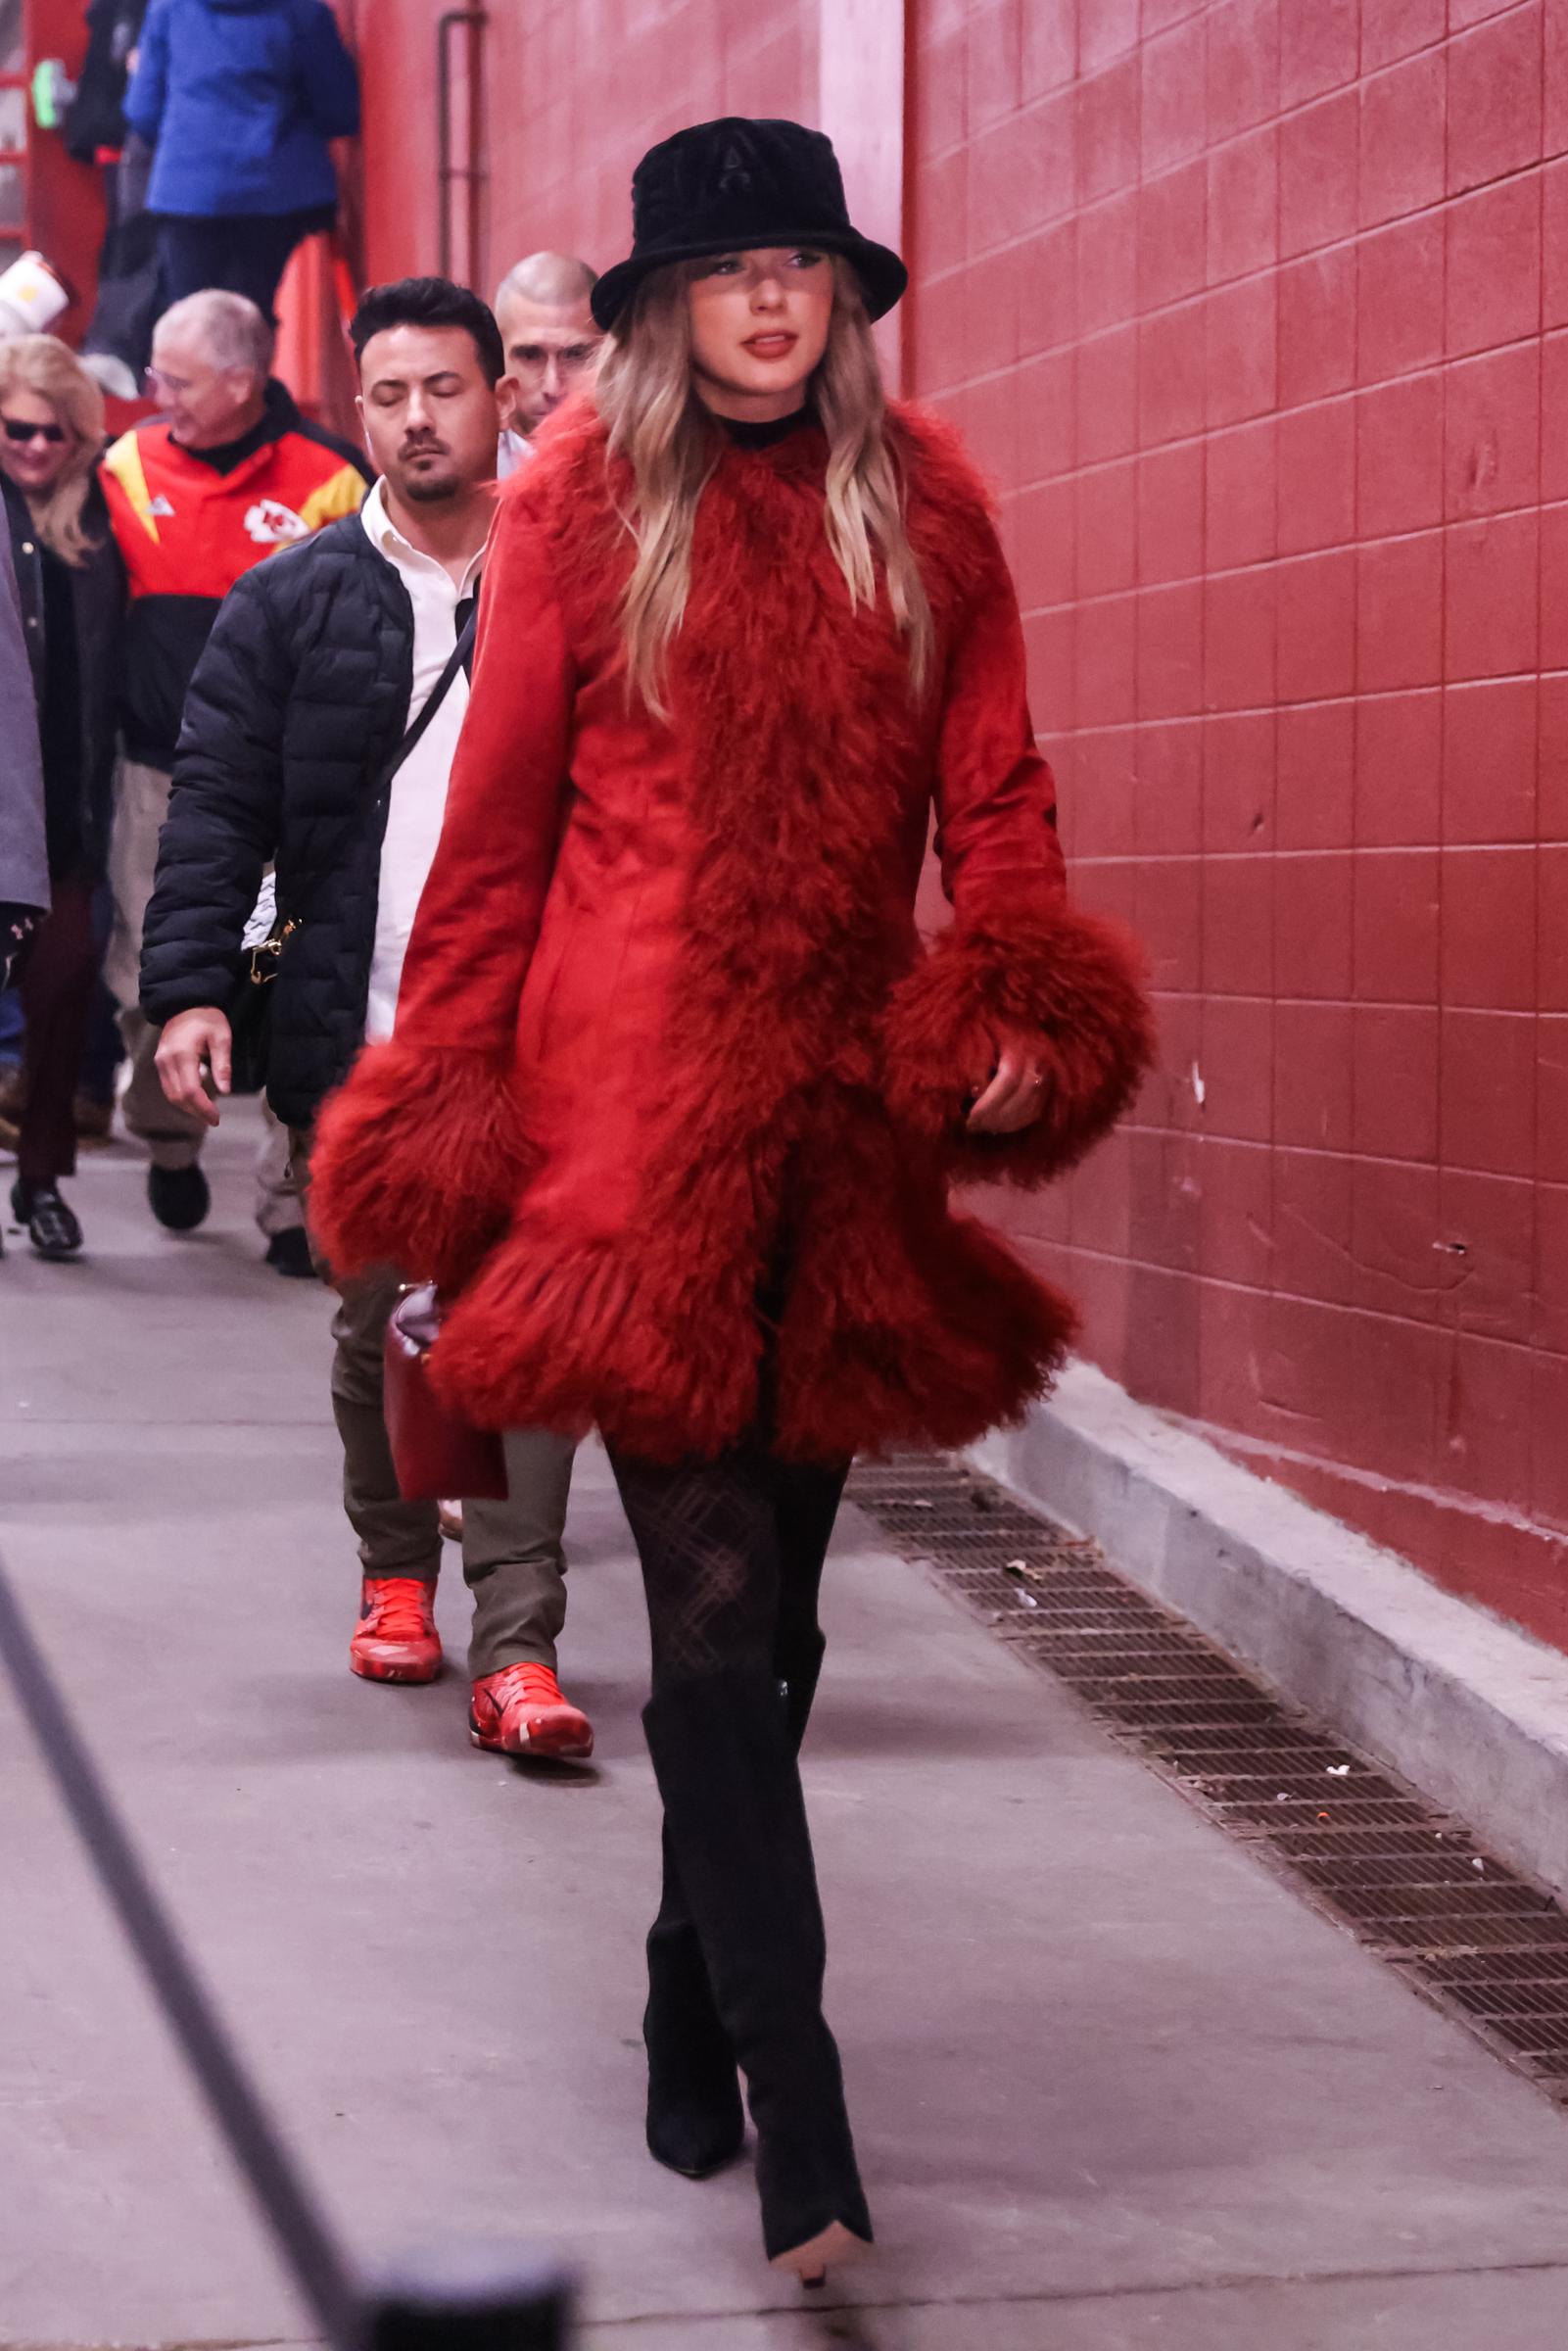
(722, 187)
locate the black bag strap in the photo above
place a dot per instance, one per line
(461, 659)
(260, 962)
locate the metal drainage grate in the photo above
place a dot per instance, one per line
(1483, 1943)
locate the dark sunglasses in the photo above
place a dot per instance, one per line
(16, 430)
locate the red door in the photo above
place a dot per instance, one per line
(47, 201)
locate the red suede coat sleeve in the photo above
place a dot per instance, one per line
(1017, 961)
(995, 797)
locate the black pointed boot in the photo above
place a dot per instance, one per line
(736, 1824)
(695, 2121)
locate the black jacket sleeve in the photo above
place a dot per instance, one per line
(225, 805)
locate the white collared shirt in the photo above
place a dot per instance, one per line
(419, 788)
(512, 453)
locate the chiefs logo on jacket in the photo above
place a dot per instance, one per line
(188, 522)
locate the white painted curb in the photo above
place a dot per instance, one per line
(1472, 1712)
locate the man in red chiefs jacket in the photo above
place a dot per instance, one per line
(224, 478)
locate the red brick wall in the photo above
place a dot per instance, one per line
(1255, 311)
(577, 90)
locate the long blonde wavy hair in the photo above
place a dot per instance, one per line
(49, 369)
(656, 422)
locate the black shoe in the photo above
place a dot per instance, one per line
(289, 1252)
(52, 1229)
(178, 1197)
(695, 2121)
(725, 1764)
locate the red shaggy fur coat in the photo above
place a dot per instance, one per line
(666, 1032)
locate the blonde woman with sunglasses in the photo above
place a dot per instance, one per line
(72, 595)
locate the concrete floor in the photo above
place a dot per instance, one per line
(1114, 2087)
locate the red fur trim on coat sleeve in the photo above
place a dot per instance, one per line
(1067, 983)
(418, 1163)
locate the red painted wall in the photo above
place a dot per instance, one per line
(577, 90)
(1257, 313)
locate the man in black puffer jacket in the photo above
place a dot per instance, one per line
(319, 736)
(295, 712)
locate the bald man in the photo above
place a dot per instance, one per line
(552, 341)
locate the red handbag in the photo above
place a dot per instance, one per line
(437, 1454)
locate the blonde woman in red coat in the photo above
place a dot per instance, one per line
(675, 1096)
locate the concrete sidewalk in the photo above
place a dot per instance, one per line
(1114, 2087)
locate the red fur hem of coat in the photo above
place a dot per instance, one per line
(1066, 983)
(919, 1328)
(417, 1162)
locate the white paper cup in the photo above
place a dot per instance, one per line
(31, 296)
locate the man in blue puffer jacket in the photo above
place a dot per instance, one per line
(239, 98)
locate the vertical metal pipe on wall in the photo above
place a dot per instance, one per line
(460, 165)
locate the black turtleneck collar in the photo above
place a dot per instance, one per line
(747, 435)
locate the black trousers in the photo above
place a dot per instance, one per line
(58, 983)
(241, 255)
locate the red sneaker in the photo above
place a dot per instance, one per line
(520, 1711)
(396, 1639)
